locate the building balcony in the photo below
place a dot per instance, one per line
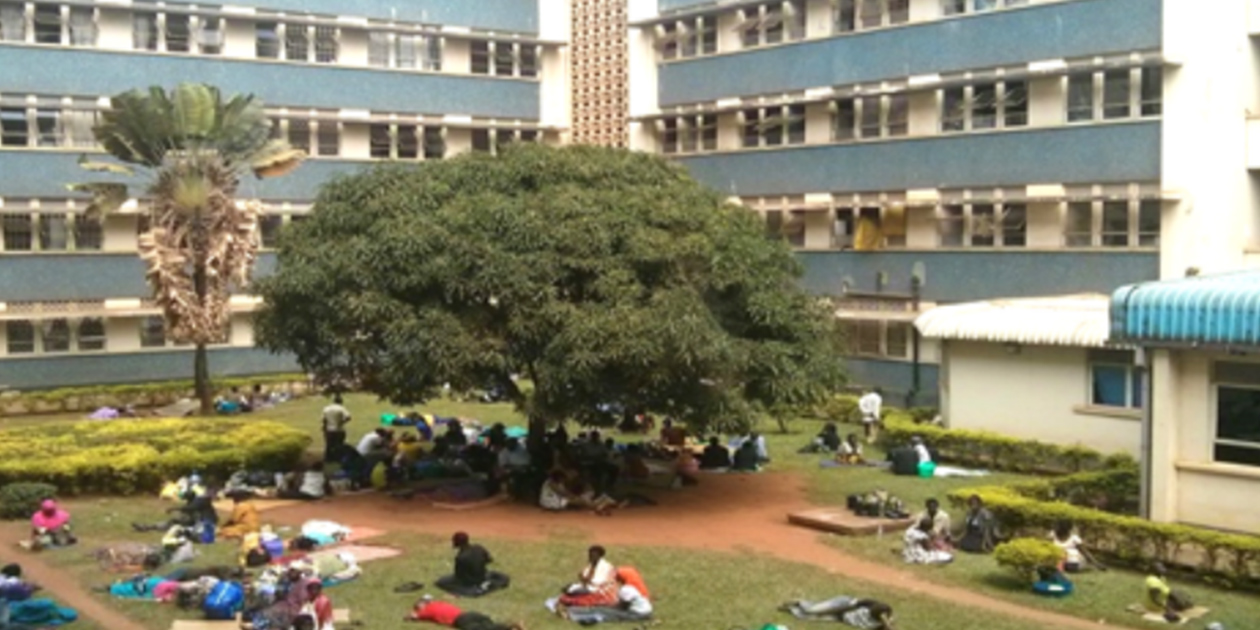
(958, 276)
(42, 70)
(1056, 30)
(1090, 154)
(50, 277)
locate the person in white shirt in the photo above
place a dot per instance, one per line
(1075, 555)
(631, 605)
(870, 406)
(335, 418)
(920, 449)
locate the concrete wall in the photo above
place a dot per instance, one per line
(1040, 393)
(896, 379)
(108, 369)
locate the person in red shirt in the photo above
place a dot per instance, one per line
(446, 614)
(321, 605)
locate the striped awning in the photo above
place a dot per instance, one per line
(1210, 311)
(1073, 320)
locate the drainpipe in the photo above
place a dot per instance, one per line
(1142, 361)
(916, 286)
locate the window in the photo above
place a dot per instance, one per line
(1149, 220)
(408, 142)
(843, 120)
(871, 14)
(706, 32)
(19, 232)
(898, 11)
(299, 136)
(21, 337)
(481, 141)
(416, 51)
(1080, 97)
(774, 224)
(708, 132)
(14, 128)
(953, 7)
(88, 233)
(689, 134)
(984, 106)
(1152, 95)
(297, 42)
(954, 109)
(1079, 224)
(144, 31)
(269, 229)
(82, 26)
(865, 337)
(48, 131)
(56, 335)
(325, 44)
(667, 41)
(47, 24)
(952, 226)
(328, 138)
(772, 23)
(898, 115)
(529, 60)
(773, 126)
(1014, 226)
(380, 142)
(1237, 425)
(794, 228)
(504, 58)
(54, 232)
(378, 50)
(897, 340)
(1116, 94)
(1114, 380)
(480, 57)
(1015, 104)
(871, 114)
(752, 127)
(92, 334)
(845, 18)
(12, 22)
(153, 332)
(178, 33)
(210, 37)
(434, 143)
(76, 128)
(1115, 224)
(983, 225)
(267, 40)
(985, 5)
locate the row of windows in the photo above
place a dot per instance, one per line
(49, 232)
(1104, 95)
(49, 125)
(172, 32)
(781, 21)
(877, 338)
(63, 335)
(1112, 224)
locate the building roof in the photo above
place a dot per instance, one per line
(1072, 320)
(1221, 310)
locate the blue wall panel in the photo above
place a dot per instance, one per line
(896, 379)
(959, 276)
(40, 70)
(45, 174)
(110, 369)
(45, 277)
(503, 15)
(1051, 31)
(1096, 153)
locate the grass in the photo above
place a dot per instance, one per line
(738, 590)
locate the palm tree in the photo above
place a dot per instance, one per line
(187, 150)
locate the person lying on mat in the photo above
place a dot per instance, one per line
(244, 519)
(1162, 598)
(450, 615)
(632, 603)
(866, 614)
(50, 527)
(472, 577)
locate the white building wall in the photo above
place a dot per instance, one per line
(353, 47)
(114, 29)
(122, 335)
(1039, 393)
(239, 39)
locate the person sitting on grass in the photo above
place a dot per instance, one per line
(1076, 557)
(50, 527)
(244, 519)
(941, 524)
(632, 603)
(312, 485)
(849, 452)
(745, 459)
(555, 496)
(319, 608)
(1162, 598)
(451, 616)
(686, 469)
(979, 528)
(472, 578)
(829, 438)
(13, 587)
(865, 614)
(596, 585)
(672, 438)
(198, 509)
(715, 456)
(919, 548)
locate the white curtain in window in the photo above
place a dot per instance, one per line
(144, 31)
(82, 27)
(12, 22)
(406, 51)
(378, 49)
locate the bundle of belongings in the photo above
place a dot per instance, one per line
(266, 547)
(877, 504)
(20, 609)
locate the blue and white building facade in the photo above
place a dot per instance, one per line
(349, 81)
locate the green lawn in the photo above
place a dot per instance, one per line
(738, 590)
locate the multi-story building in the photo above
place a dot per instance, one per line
(349, 81)
(924, 152)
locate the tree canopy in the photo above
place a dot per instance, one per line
(604, 277)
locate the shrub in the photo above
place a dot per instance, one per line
(20, 500)
(993, 450)
(1025, 556)
(839, 408)
(133, 456)
(135, 393)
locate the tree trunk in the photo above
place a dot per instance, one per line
(201, 379)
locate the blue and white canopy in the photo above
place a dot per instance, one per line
(1220, 311)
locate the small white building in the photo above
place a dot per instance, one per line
(1037, 368)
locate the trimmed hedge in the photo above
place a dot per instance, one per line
(20, 500)
(89, 398)
(137, 456)
(1025, 556)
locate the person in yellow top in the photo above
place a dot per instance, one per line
(409, 451)
(1162, 598)
(244, 519)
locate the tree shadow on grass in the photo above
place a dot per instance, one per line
(1004, 582)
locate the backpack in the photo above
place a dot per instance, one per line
(224, 601)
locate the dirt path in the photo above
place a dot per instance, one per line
(726, 513)
(60, 585)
